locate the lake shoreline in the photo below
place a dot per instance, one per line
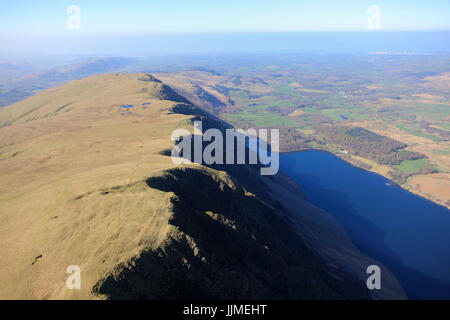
(354, 164)
(384, 221)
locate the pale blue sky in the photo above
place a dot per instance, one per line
(99, 17)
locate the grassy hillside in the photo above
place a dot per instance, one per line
(85, 182)
(19, 81)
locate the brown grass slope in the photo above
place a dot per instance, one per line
(85, 182)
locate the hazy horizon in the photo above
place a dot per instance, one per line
(139, 27)
(275, 42)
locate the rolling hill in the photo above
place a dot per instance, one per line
(19, 81)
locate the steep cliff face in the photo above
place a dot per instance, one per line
(225, 243)
(87, 182)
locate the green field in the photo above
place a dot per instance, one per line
(413, 166)
(417, 131)
(259, 118)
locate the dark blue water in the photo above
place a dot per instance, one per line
(409, 234)
(127, 106)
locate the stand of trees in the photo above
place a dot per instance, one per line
(292, 140)
(368, 144)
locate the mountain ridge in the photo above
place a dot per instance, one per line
(88, 183)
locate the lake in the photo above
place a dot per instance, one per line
(407, 233)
